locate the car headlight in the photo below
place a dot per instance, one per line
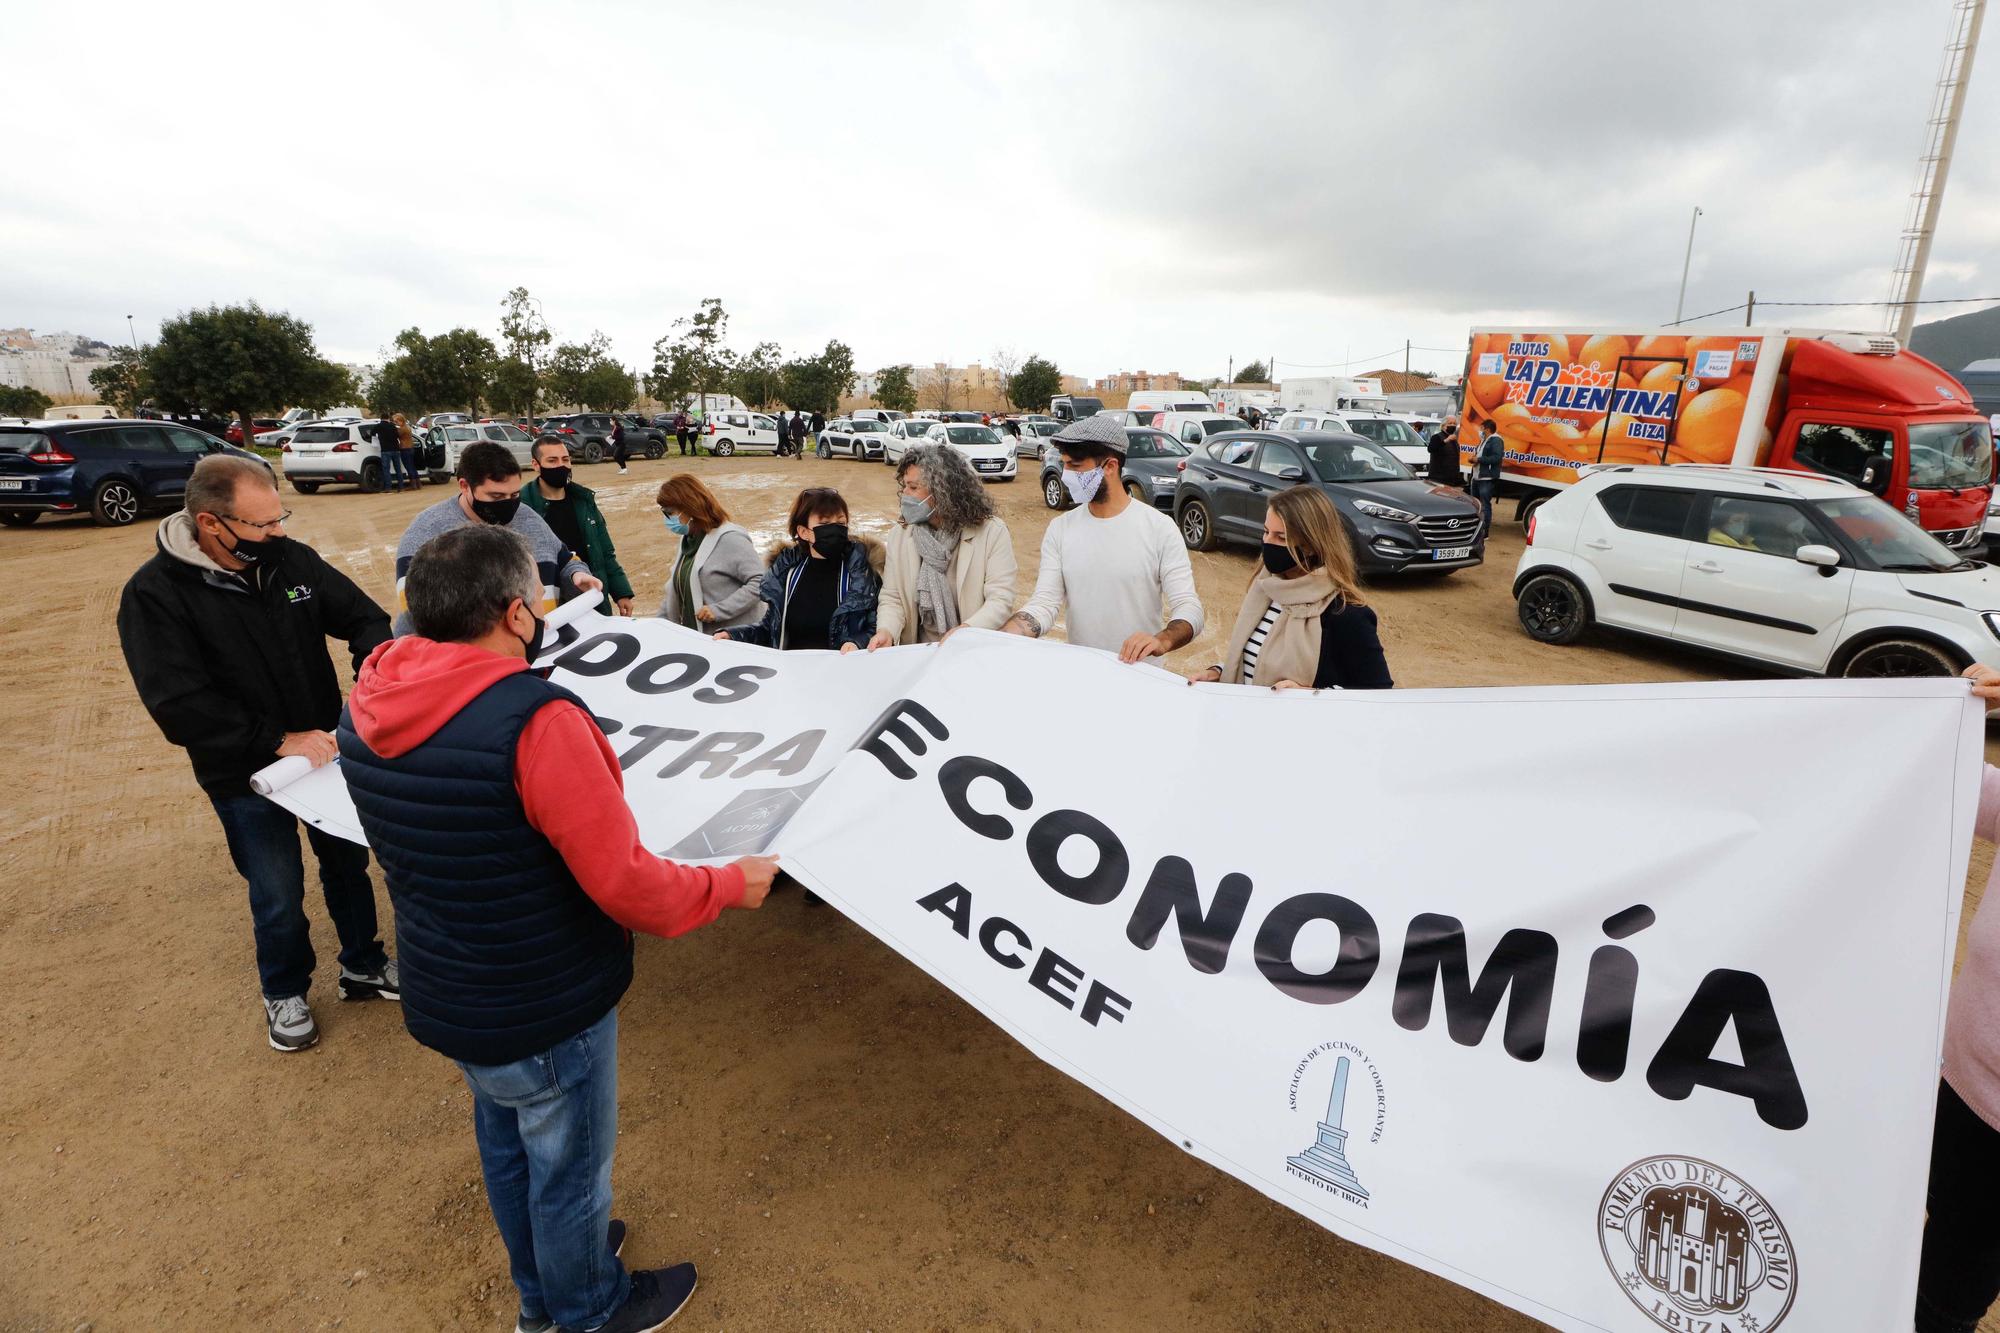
(1992, 619)
(1387, 513)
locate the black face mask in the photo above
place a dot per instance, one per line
(256, 555)
(555, 478)
(830, 540)
(497, 512)
(535, 641)
(1278, 559)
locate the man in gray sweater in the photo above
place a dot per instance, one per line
(489, 491)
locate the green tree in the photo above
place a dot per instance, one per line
(1034, 383)
(451, 370)
(513, 385)
(818, 383)
(123, 382)
(524, 333)
(1254, 373)
(330, 385)
(238, 359)
(693, 358)
(22, 401)
(566, 379)
(607, 386)
(758, 377)
(894, 390)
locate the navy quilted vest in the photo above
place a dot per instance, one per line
(502, 953)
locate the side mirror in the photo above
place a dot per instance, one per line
(1875, 472)
(1825, 557)
(1291, 474)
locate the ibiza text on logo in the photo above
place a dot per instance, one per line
(1688, 1241)
(1356, 1083)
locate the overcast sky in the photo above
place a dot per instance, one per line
(1110, 185)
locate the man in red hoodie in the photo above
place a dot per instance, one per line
(497, 812)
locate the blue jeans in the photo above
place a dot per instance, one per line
(398, 466)
(547, 1127)
(264, 844)
(1482, 491)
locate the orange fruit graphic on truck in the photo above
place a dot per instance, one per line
(1604, 351)
(1707, 431)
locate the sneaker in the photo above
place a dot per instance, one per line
(615, 1234)
(658, 1294)
(381, 984)
(289, 1023)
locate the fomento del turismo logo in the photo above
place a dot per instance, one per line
(1689, 1241)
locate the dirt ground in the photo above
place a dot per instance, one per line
(836, 1139)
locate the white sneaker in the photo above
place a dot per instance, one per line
(289, 1023)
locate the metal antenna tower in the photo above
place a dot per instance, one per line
(1940, 135)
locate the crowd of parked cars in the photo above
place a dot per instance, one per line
(1794, 572)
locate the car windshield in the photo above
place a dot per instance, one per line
(461, 433)
(1146, 444)
(1888, 538)
(971, 435)
(1948, 455)
(1385, 432)
(320, 435)
(1353, 460)
(863, 427)
(23, 441)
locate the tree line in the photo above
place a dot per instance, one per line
(244, 360)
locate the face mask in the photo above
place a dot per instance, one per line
(1278, 559)
(676, 524)
(497, 512)
(555, 478)
(915, 511)
(257, 554)
(533, 643)
(830, 540)
(1083, 486)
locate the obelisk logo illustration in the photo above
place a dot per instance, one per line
(1325, 1158)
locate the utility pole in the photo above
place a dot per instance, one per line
(1750, 309)
(1406, 356)
(1687, 259)
(1941, 135)
(134, 331)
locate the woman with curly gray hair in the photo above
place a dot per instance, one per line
(951, 562)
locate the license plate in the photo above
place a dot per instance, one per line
(1452, 553)
(10, 485)
(309, 453)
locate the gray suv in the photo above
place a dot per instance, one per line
(1153, 463)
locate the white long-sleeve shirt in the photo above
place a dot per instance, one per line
(1114, 574)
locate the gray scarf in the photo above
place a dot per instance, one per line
(937, 604)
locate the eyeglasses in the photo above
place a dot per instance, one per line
(261, 527)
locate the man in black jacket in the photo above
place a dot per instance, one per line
(224, 631)
(1445, 469)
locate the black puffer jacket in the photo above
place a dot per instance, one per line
(225, 666)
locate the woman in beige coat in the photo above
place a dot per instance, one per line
(1303, 623)
(951, 562)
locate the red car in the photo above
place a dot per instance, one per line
(258, 425)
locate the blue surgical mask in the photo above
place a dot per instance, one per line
(676, 524)
(915, 511)
(1082, 486)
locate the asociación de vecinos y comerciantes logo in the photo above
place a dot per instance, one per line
(1356, 1111)
(1689, 1241)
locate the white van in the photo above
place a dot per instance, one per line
(1168, 400)
(743, 432)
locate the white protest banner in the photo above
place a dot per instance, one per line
(1620, 1005)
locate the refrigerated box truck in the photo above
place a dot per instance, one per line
(1853, 405)
(1331, 393)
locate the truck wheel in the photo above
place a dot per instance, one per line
(1901, 657)
(1197, 526)
(1553, 609)
(304, 487)
(1526, 515)
(114, 503)
(723, 448)
(1052, 491)
(371, 475)
(593, 451)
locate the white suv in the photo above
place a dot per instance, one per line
(1805, 574)
(323, 452)
(1392, 433)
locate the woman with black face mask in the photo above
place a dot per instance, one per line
(820, 588)
(1303, 623)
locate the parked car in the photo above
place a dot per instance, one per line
(208, 423)
(1806, 575)
(991, 455)
(588, 435)
(443, 444)
(1394, 521)
(1392, 433)
(903, 434)
(885, 415)
(975, 418)
(233, 433)
(425, 423)
(111, 470)
(323, 453)
(1036, 432)
(642, 437)
(856, 437)
(742, 432)
(1153, 464)
(1191, 428)
(1074, 407)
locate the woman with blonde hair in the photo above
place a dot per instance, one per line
(951, 562)
(1304, 623)
(716, 575)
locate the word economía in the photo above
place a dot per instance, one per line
(1520, 972)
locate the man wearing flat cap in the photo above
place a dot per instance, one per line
(1119, 565)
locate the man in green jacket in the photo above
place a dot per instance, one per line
(572, 512)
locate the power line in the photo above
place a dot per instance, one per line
(1838, 305)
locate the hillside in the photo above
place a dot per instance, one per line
(1954, 342)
